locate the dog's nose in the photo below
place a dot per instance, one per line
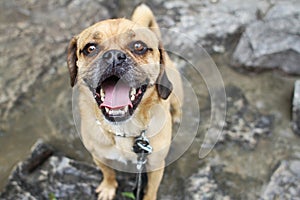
(114, 57)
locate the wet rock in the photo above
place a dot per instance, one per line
(48, 175)
(244, 124)
(296, 108)
(213, 24)
(273, 42)
(33, 40)
(202, 186)
(284, 183)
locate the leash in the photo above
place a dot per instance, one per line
(142, 148)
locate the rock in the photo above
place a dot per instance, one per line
(274, 42)
(48, 175)
(244, 124)
(33, 40)
(284, 183)
(202, 186)
(296, 108)
(213, 24)
(295, 167)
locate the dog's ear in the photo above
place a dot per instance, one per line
(143, 15)
(163, 84)
(72, 59)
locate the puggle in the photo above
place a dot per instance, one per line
(126, 85)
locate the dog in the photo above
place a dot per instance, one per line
(126, 84)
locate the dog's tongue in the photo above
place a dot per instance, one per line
(116, 95)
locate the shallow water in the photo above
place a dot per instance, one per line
(46, 113)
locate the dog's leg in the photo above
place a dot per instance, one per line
(108, 186)
(154, 179)
(176, 98)
(175, 109)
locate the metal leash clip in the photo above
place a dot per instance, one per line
(142, 145)
(142, 148)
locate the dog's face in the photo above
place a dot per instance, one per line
(118, 61)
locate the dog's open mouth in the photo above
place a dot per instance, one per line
(117, 100)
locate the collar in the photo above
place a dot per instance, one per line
(120, 134)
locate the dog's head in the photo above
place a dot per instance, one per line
(119, 60)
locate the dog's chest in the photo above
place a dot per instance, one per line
(121, 151)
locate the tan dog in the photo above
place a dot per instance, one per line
(119, 68)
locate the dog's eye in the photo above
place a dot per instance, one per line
(90, 49)
(139, 47)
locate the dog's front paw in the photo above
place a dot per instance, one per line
(149, 197)
(106, 191)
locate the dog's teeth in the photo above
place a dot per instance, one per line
(107, 109)
(132, 97)
(102, 94)
(132, 94)
(133, 91)
(116, 112)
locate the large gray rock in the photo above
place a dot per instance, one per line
(284, 183)
(48, 175)
(296, 108)
(33, 40)
(215, 25)
(273, 42)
